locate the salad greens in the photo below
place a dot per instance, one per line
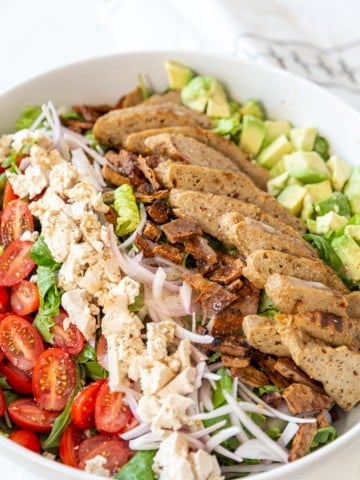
(28, 117)
(140, 466)
(126, 209)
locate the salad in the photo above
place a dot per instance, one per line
(179, 281)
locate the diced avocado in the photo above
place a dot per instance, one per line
(308, 167)
(278, 168)
(353, 231)
(348, 251)
(319, 191)
(331, 221)
(217, 105)
(178, 75)
(204, 93)
(277, 184)
(303, 138)
(253, 107)
(337, 202)
(340, 171)
(322, 147)
(352, 190)
(275, 128)
(274, 152)
(311, 225)
(252, 134)
(308, 207)
(292, 197)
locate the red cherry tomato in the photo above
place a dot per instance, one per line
(69, 445)
(9, 195)
(24, 298)
(102, 352)
(70, 339)
(53, 379)
(25, 413)
(20, 342)
(15, 263)
(16, 219)
(83, 407)
(4, 299)
(112, 415)
(19, 380)
(2, 403)
(27, 439)
(116, 453)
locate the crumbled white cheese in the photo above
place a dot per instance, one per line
(159, 337)
(95, 466)
(78, 307)
(205, 466)
(28, 236)
(165, 413)
(182, 384)
(155, 377)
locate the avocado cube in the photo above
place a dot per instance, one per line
(278, 168)
(319, 191)
(178, 75)
(352, 190)
(303, 138)
(292, 197)
(308, 208)
(254, 108)
(337, 202)
(277, 184)
(330, 222)
(348, 251)
(218, 105)
(252, 134)
(308, 167)
(353, 231)
(275, 128)
(340, 172)
(271, 154)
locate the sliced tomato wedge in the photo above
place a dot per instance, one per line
(24, 298)
(27, 439)
(9, 195)
(4, 299)
(25, 413)
(19, 380)
(53, 379)
(20, 342)
(69, 445)
(115, 451)
(83, 407)
(69, 339)
(15, 263)
(2, 403)
(16, 219)
(102, 352)
(112, 415)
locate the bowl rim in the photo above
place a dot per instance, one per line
(289, 468)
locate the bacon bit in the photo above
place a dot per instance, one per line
(273, 399)
(288, 369)
(250, 376)
(78, 126)
(228, 322)
(234, 346)
(196, 281)
(181, 229)
(111, 216)
(150, 197)
(215, 298)
(267, 364)
(236, 362)
(322, 420)
(159, 211)
(170, 252)
(229, 272)
(301, 398)
(113, 177)
(302, 441)
(151, 231)
(235, 286)
(144, 245)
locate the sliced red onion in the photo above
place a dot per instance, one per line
(200, 369)
(212, 376)
(205, 395)
(208, 430)
(194, 442)
(82, 144)
(276, 413)
(148, 441)
(287, 434)
(257, 450)
(37, 121)
(24, 163)
(130, 400)
(242, 435)
(197, 355)
(163, 261)
(221, 437)
(224, 410)
(185, 292)
(255, 430)
(130, 240)
(53, 120)
(82, 164)
(184, 334)
(158, 285)
(226, 453)
(136, 432)
(215, 366)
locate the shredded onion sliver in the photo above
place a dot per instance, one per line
(135, 432)
(287, 434)
(256, 450)
(208, 430)
(184, 334)
(130, 240)
(220, 437)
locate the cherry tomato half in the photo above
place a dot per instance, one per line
(116, 453)
(71, 339)
(9, 195)
(102, 352)
(27, 439)
(19, 380)
(83, 407)
(69, 443)
(25, 413)
(20, 342)
(4, 299)
(53, 379)
(2, 403)
(24, 298)
(112, 415)
(15, 263)
(16, 219)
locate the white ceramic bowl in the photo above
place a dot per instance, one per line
(104, 80)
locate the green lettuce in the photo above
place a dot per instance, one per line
(126, 209)
(138, 467)
(28, 117)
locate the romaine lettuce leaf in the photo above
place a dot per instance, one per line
(126, 209)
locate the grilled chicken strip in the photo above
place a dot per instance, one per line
(293, 295)
(207, 208)
(135, 142)
(353, 308)
(338, 369)
(263, 263)
(238, 186)
(113, 127)
(262, 333)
